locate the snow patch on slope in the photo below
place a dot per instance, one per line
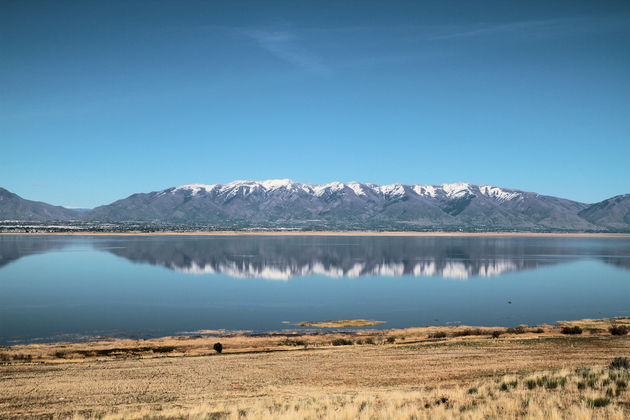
(195, 188)
(498, 193)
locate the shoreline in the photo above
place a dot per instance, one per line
(334, 233)
(321, 333)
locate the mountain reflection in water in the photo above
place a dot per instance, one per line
(283, 258)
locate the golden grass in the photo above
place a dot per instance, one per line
(305, 376)
(341, 323)
(552, 394)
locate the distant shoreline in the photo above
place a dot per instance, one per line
(331, 233)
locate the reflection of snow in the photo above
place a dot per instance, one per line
(449, 269)
(456, 270)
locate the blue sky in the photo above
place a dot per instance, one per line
(99, 100)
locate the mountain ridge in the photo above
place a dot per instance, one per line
(284, 203)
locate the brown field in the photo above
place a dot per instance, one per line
(433, 372)
(331, 233)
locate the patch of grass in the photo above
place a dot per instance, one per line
(469, 331)
(438, 334)
(599, 402)
(552, 383)
(530, 384)
(620, 363)
(164, 349)
(294, 343)
(18, 357)
(472, 390)
(391, 340)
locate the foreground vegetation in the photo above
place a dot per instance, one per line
(583, 393)
(571, 370)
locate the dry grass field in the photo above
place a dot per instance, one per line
(435, 372)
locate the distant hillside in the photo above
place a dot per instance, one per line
(14, 207)
(613, 213)
(339, 206)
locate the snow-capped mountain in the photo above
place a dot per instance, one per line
(285, 203)
(352, 205)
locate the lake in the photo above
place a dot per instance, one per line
(76, 287)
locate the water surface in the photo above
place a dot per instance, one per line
(55, 287)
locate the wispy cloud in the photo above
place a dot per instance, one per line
(286, 46)
(535, 28)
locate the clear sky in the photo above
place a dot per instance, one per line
(99, 100)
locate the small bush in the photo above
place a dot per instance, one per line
(391, 340)
(581, 385)
(472, 390)
(496, 334)
(599, 402)
(504, 387)
(468, 331)
(438, 334)
(539, 331)
(575, 330)
(341, 342)
(518, 330)
(294, 343)
(622, 384)
(619, 330)
(620, 363)
(442, 400)
(218, 347)
(530, 384)
(369, 340)
(552, 383)
(164, 349)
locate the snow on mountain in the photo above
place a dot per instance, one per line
(195, 188)
(453, 190)
(390, 190)
(499, 193)
(456, 190)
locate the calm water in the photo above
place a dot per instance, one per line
(55, 288)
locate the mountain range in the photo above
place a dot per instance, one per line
(338, 206)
